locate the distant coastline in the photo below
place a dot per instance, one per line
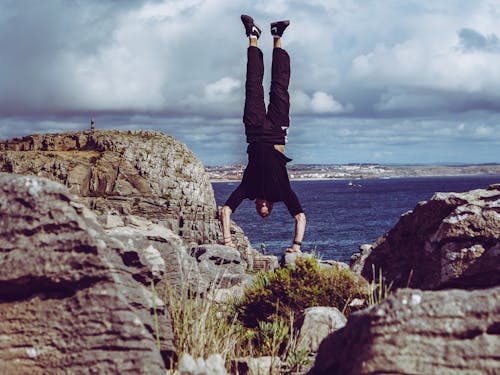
(303, 172)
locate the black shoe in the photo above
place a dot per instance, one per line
(251, 29)
(277, 28)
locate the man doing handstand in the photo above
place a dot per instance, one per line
(265, 178)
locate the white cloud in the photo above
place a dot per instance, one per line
(418, 65)
(322, 102)
(483, 131)
(319, 102)
(222, 88)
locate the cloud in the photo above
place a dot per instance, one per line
(322, 102)
(222, 88)
(471, 40)
(365, 78)
(319, 102)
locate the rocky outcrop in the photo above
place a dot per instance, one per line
(221, 265)
(213, 365)
(154, 254)
(453, 240)
(68, 302)
(140, 173)
(316, 323)
(450, 332)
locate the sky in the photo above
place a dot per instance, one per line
(393, 81)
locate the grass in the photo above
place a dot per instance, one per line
(295, 288)
(262, 322)
(378, 290)
(200, 327)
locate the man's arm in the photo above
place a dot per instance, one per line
(300, 228)
(225, 220)
(230, 206)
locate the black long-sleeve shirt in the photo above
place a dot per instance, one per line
(265, 177)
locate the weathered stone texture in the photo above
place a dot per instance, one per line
(450, 332)
(453, 240)
(144, 173)
(316, 323)
(221, 265)
(68, 304)
(140, 173)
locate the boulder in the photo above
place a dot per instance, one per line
(358, 260)
(68, 303)
(289, 259)
(220, 265)
(450, 332)
(256, 366)
(121, 173)
(153, 253)
(213, 365)
(316, 323)
(450, 241)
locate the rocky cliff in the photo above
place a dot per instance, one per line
(452, 240)
(143, 173)
(452, 332)
(68, 301)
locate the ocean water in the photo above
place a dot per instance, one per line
(342, 216)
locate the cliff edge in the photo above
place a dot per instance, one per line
(142, 173)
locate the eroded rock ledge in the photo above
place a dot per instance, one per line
(144, 173)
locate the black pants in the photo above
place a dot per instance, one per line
(261, 125)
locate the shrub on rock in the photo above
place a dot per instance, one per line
(296, 287)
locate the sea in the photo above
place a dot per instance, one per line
(342, 214)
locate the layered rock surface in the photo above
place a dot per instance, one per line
(448, 332)
(140, 173)
(452, 240)
(68, 302)
(143, 173)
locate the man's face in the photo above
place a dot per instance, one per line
(263, 207)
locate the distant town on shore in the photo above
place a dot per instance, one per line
(360, 171)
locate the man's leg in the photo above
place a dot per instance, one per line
(255, 108)
(278, 110)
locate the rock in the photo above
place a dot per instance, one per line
(255, 261)
(121, 173)
(220, 265)
(155, 254)
(450, 332)
(333, 263)
(261, 262)
(358, 260)
(68, 303)
(141, 173)
(109, 221)
(316, 323)
(213, 365)
(255, 366)
(289, 258)
(450, 241)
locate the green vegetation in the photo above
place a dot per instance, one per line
(295, 288)
(200, 327)
(262, 322)
(378, 289)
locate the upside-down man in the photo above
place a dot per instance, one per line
(265, 178)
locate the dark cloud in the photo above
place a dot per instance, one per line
(368, 82)
(472, 40)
